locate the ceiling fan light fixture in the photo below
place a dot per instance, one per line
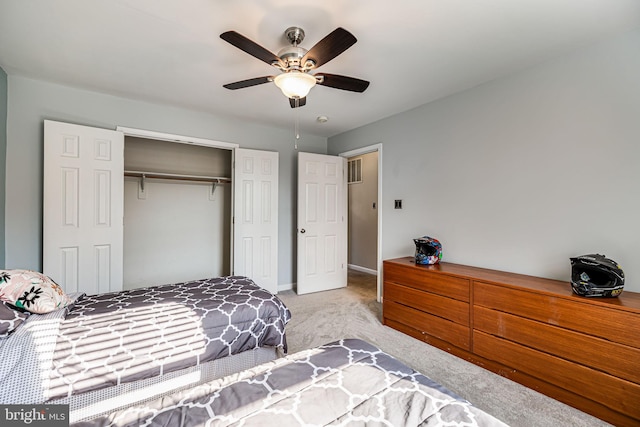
(295, 84)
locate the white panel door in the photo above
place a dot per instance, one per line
(83, 207)
(322, 223)
(255, 244)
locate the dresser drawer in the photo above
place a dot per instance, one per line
(577, 314)
(437, 305)
(620, 395)
(435, 326)
(615, 359)
(423, 278)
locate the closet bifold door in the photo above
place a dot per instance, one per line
(255, 246)
(83, 207)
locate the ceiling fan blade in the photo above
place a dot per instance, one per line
(248, 83)
(297, 102)
(329, 47)
(342, 82)
(251, 47)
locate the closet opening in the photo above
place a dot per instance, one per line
(177, 211)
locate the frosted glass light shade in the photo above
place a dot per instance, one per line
(295, 84)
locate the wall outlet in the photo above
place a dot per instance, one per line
(398, 204)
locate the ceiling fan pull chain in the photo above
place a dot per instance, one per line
(297, 124)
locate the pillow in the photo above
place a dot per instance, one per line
(10, 319)
(31, 291)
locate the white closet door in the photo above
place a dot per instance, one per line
(322, 225)
(255, 248)
(83, 207)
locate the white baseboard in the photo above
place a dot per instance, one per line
(285, 287)
(363, 269)
(292, 286)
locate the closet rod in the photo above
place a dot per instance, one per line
(160, 175)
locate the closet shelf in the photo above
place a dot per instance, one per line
(160, 175)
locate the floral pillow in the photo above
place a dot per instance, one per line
(31, 291)
(10, 319)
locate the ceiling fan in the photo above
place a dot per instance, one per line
(295, 64)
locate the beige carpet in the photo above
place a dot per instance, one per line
(353, 312)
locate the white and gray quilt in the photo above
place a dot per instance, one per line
(114, 338)
(348, 382)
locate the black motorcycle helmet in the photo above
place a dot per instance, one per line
(428, 250)
(595, 275)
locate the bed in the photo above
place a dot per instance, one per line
(104, 351)
(347, 382)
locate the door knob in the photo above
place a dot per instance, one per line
(303, 231)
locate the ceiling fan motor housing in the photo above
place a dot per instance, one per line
(291, 55)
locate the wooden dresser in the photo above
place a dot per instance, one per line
(582, 351)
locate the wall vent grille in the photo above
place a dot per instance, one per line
(354, 167)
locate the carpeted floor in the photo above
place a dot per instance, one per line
(353, 312)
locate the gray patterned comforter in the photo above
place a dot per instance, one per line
(348, 382)
(119, 337)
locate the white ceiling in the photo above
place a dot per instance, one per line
(412, 51)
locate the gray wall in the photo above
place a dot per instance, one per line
(3, 152)
(363, 217)
(32, 101)
(524, 172)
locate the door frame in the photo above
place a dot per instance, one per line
(365, 150)
(181, 139)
